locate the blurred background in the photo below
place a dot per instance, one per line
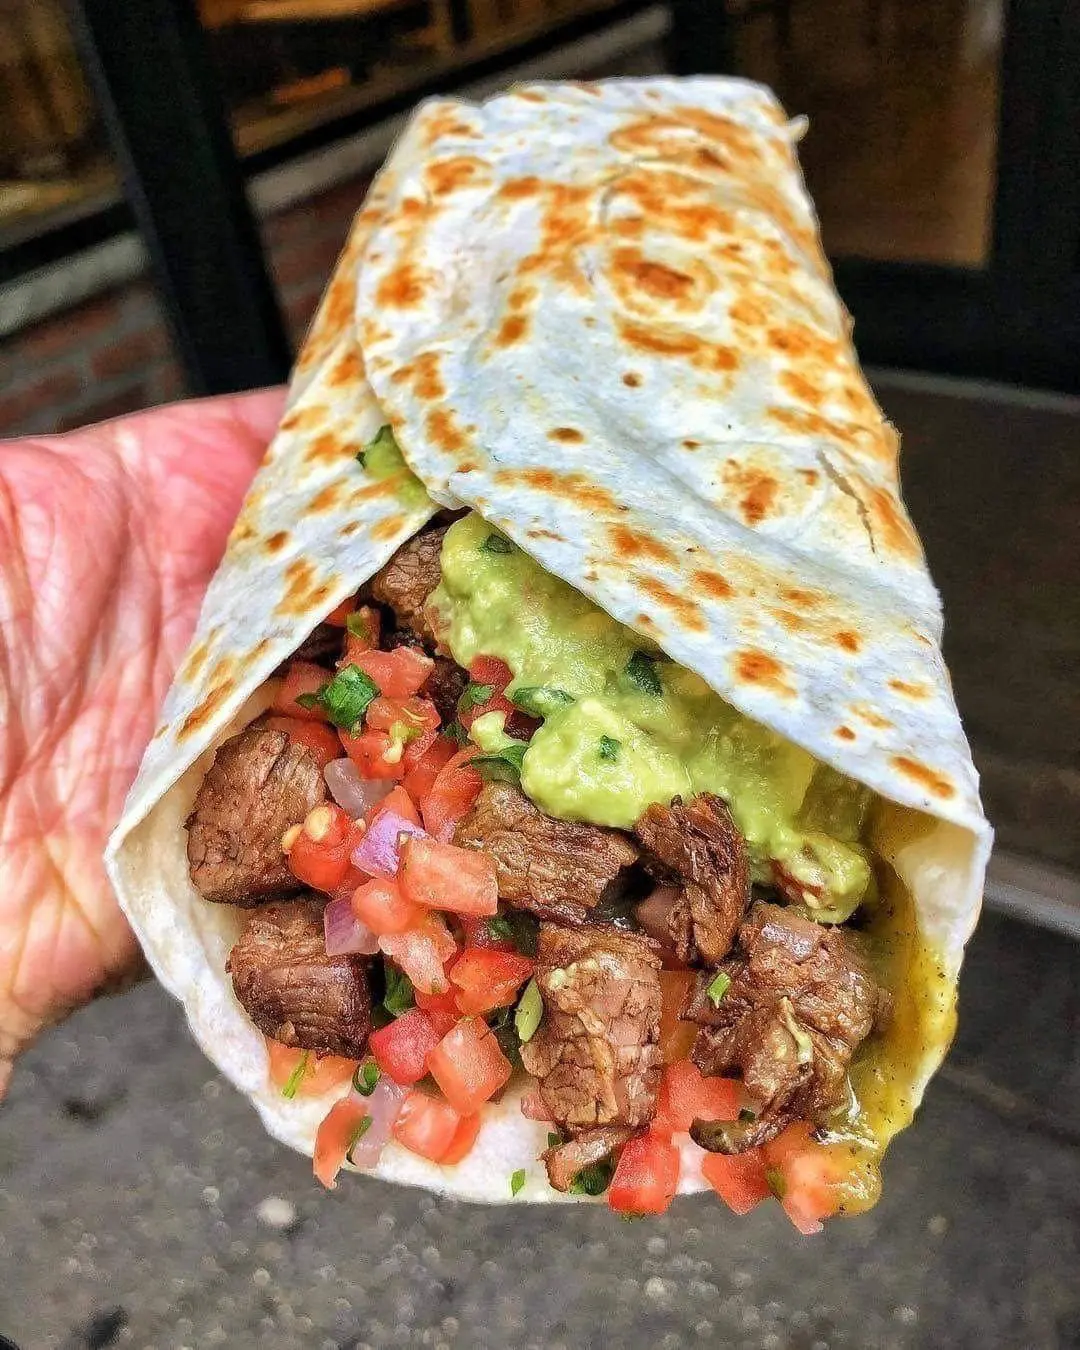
(175, 185)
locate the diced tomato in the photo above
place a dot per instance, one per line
(380, 904)
(338, 616)
(336, 1135)
(444, 876)
(321, 1073)
(319, 854)
(400, 673)
(401, 1049)
(462, 1142)
(302, 677)
(495, 674)
(424, 759)
(441, 1008)
(812, 1174)
(468, 1065)
(451, 795)
(427, 1126)
(478, 934)
(374, 754)
(370, 621)
(646, 1176)
(421, 952)
(316, 737)
(488, 978)
(398, 801)
(418, 715)
(676, 1036)
(738, 1179)
(685, 1096)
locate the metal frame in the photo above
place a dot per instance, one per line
(1018, 318)
(168, 131)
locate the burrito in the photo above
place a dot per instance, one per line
(563, 796)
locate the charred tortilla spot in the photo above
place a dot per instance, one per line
(631, 379)
(687, 611)
(513, 328)
(568, 435)
(710, 356)
(756, 667)
(521, 189)
(277, 541)
(851, 642)
(910, 689)
(795, 595)
(573, 487)
(326, 500)
(328, 448)
(349, 529)
(349, 370)
(198, 655)
(402, 288)
(870, 717)
(424, 375)
(242, 532)
(691, 445)
(715, 586)
(444, 432)
(302, 595)
(794, 623)
(801, 388)
(930, 779)
(222, 684)
(844, 733)
(891, 527)
(389, 528)
(809, 476)
(460, 171)
(306, 419)
(758, 489)
(654, 279)
(632, 544)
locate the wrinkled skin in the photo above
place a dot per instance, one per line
(108, 538)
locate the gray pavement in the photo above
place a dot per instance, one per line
(140, 1204)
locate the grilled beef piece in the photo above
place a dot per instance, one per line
(323, 645)
(799, 1003)
(698, 849)
(564, 1161)
(444, 686)
(555, 869)
(292, 990)
(595, 1052)
(406, 581)
(258, 785)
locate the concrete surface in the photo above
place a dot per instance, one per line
(141, 1204)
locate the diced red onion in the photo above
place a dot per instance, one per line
(383, 1106)
(355, 795)
(379, 852)
(345, 934)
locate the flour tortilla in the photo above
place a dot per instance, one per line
(600, 316)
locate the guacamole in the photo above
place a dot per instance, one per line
(624, 727)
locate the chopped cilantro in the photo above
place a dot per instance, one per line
(530, 1011)
(554, 1139)
(500, 929)
(496, 543)
(475, 695)
(594, 1179)
(718, 988)
(503, 765)
(641, 670)
(347, 696)
(517, 1181)
(359, 625)
(610, 749)
(365, 1078)
(456, 732)
(399, 991)
(540, 700)
(296, 1077)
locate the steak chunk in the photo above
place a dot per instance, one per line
(698, 848)
(799, 1003)
(293, 991)
(323, 645)
(595, 1052)
(258, 785)
(565, 1161)
(445, 686)
(555, 869)
(406, 581)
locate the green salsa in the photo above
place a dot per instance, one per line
(624, 727)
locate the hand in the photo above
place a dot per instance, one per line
(108, 538)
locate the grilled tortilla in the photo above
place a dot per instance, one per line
(598, 316)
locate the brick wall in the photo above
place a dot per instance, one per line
(111, 354)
